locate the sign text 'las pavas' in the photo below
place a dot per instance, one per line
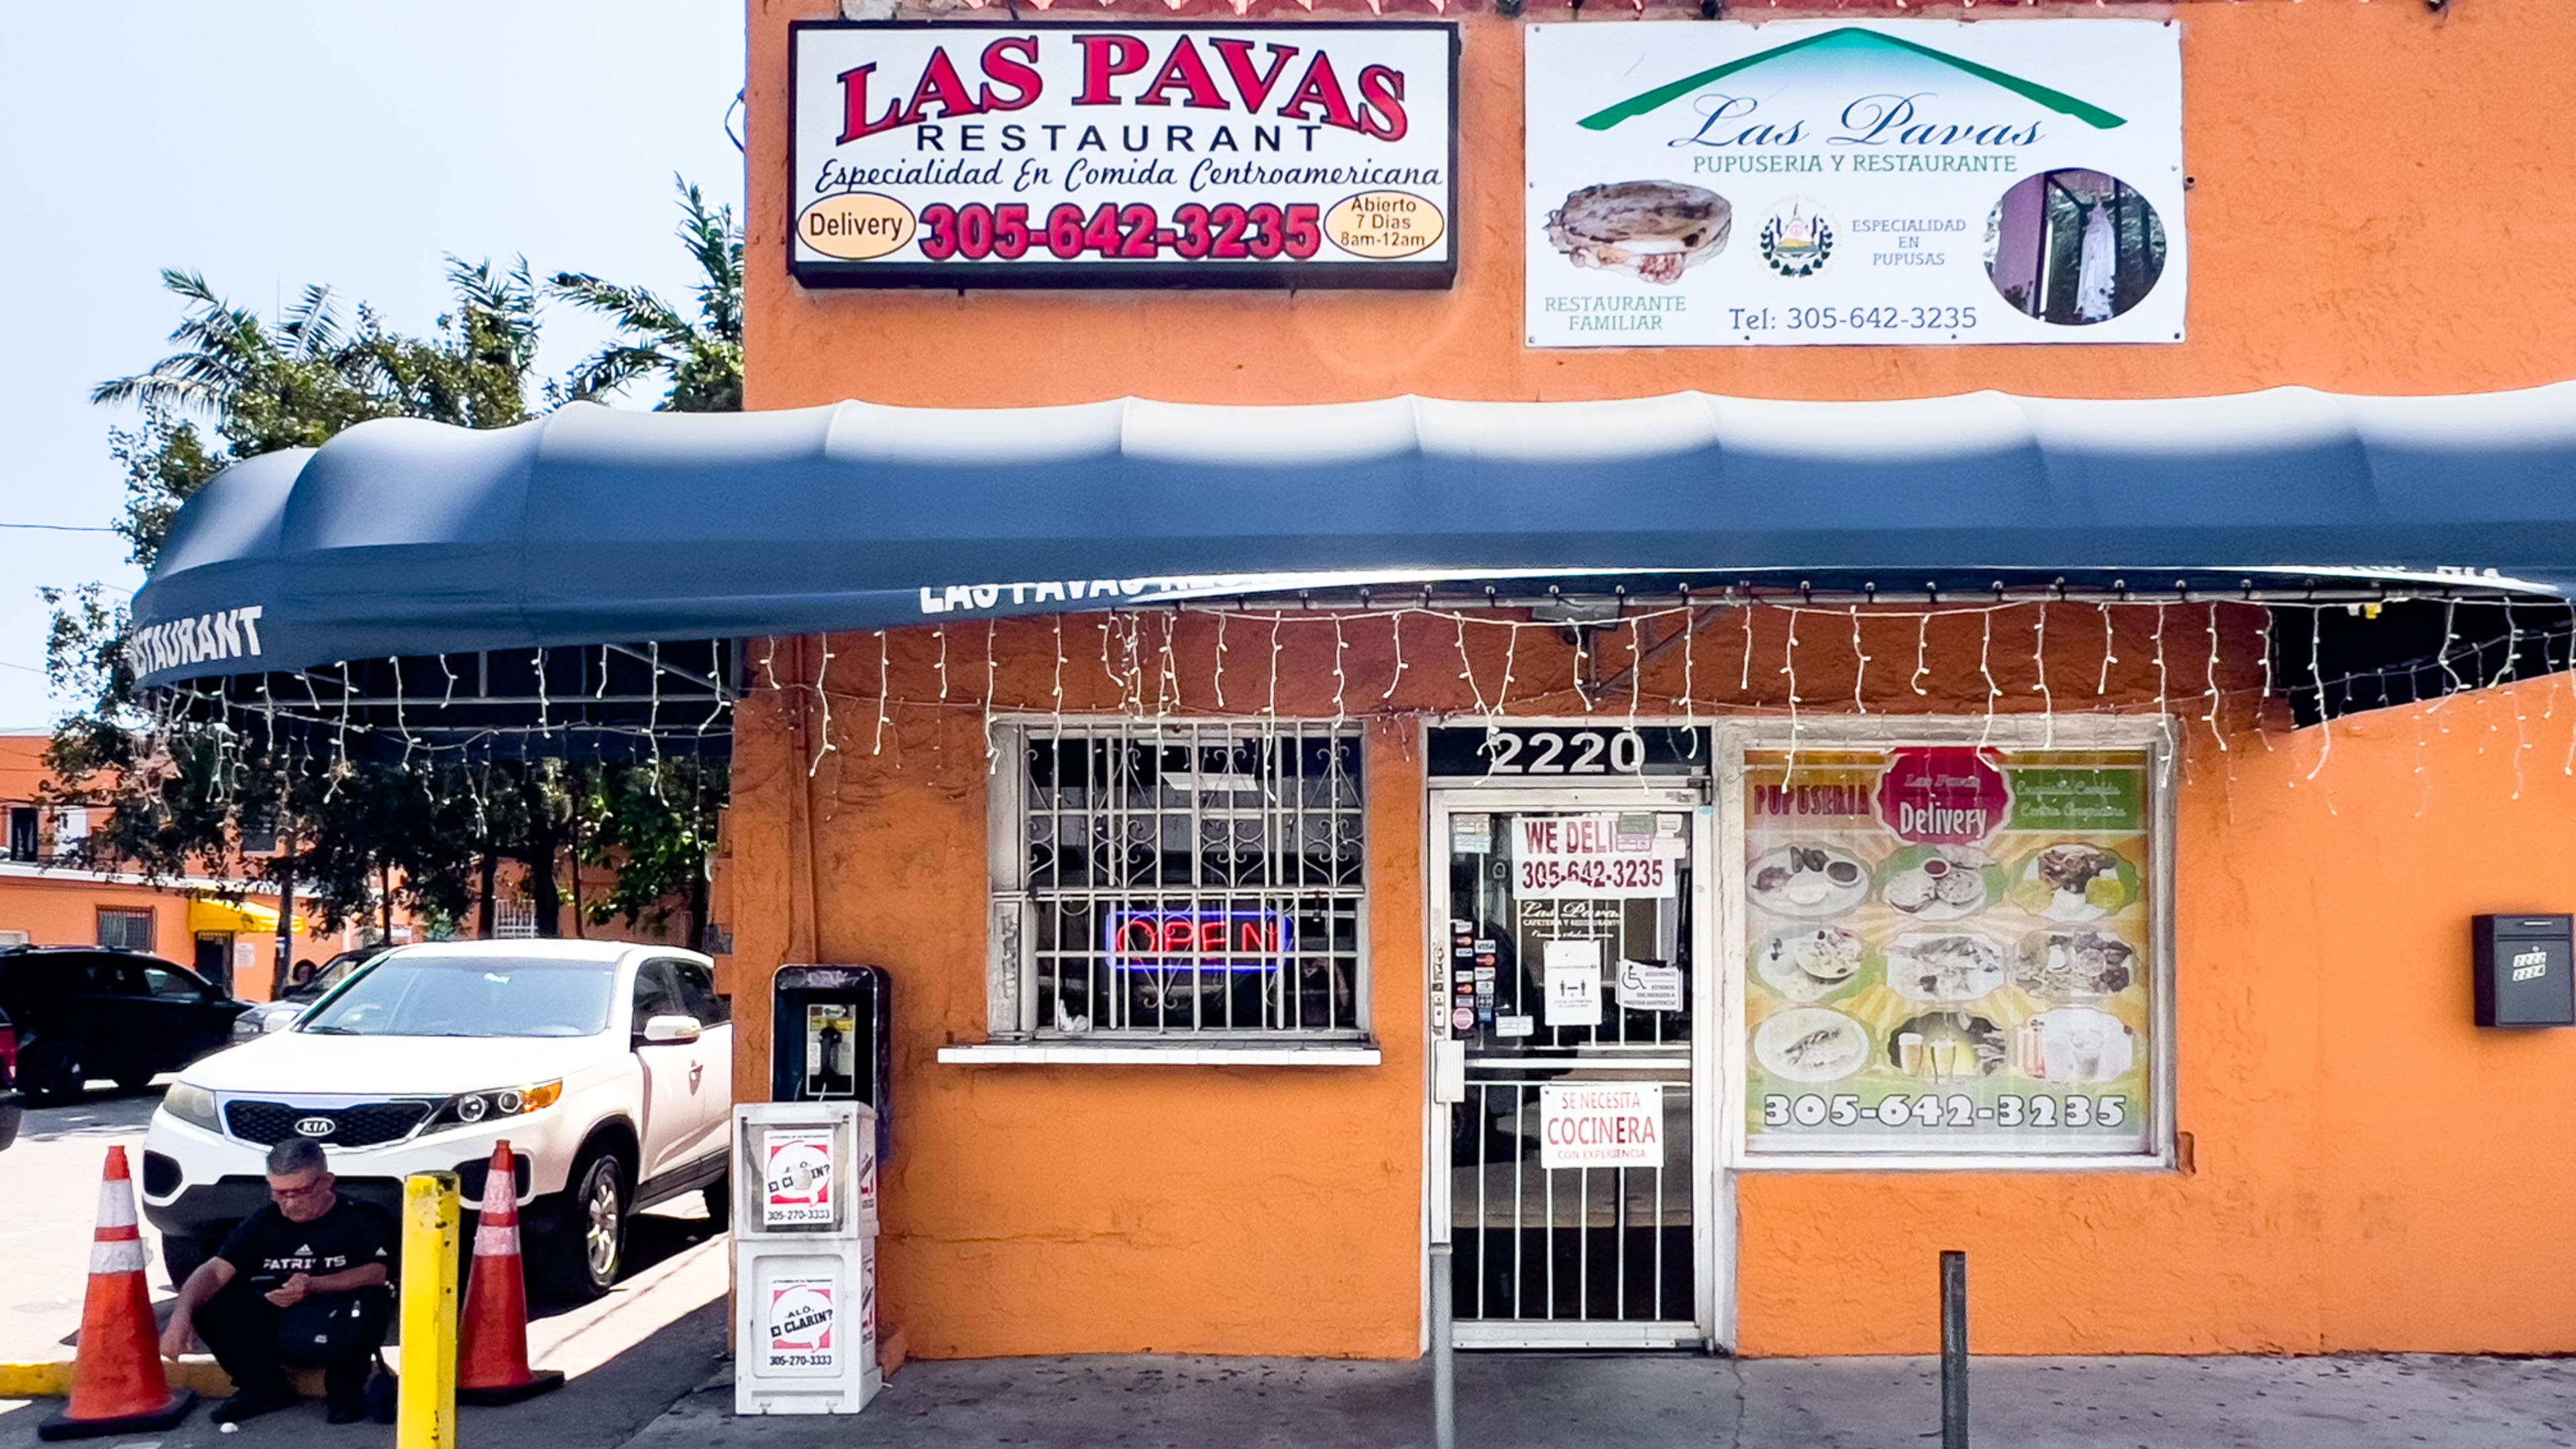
(1123, 155)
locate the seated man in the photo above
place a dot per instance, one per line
(302, 1281)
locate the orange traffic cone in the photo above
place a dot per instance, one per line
(492, 1354)
(117, 1383)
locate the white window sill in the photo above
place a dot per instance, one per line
(1321, 1054)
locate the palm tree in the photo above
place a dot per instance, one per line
(702, 357)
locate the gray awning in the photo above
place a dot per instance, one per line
(592, 526)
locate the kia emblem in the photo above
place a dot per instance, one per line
(316, 1127)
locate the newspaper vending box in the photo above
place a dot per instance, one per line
(805, 1248)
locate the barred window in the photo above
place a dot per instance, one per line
(1180, 880)
(122, 929)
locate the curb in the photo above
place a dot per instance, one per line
(54, 1380)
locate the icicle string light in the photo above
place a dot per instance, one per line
(2211, 718)
(1220, 662)
(1690, 633)
(1396, 636)
(1860, 665)
(2039, 662)
(992, 664)
(2102, 685)
(823, 692)
(1467, 669)
(884, 672)
(1340, 644)
(2325, 720)
(1789, 667)
(1636, 666)
(1985, 657)
(1744, 686)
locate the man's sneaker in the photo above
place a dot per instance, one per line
(350, 1410)
(253, 1402)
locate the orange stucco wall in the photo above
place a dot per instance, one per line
(2372, 1171)
(2340, 152)
(2368, 1171)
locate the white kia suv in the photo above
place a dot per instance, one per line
(607, 1066)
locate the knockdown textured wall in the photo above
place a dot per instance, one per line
(1278, 1210)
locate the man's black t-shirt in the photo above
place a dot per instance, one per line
(267, 1249)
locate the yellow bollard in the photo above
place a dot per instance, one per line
(426, 1416)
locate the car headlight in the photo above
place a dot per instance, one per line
(191, 1104)
(466, 1109)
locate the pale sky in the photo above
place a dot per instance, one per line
(272, 143)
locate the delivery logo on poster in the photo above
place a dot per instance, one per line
(796, 1179)
(798, 1324)
(1874, 182)
(1943, 797)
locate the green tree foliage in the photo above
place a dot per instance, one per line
(702, 358)
(185, 793)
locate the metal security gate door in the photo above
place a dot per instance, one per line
(1572, 959)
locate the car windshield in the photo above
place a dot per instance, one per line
(338, 970)
(470, 996)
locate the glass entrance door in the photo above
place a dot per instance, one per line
(1573, 960)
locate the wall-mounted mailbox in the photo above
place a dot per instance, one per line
(2526, 971)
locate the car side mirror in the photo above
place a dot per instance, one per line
(671, 1031)
(279, 1021)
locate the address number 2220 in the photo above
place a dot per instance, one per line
(1564, 752)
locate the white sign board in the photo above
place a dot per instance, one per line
(1109, 153)
(1875, 182)
(796, 1177)
(1645, 986)
(1596, 855)
(1573, 983)
(800, 1327)
(1600, 1124)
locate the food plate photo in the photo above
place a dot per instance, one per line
(2062, 965)
(1807, 880)
(1812, 963)
(2074, 880)
(1810, 1044)
(1940, 882)
(1944, 965)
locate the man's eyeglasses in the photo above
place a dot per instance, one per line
(306, 1192)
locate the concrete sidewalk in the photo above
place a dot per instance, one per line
(1507, 1401)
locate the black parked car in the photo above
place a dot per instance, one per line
(85, 1011)
(13, 1103)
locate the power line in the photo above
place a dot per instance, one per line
(60, 527)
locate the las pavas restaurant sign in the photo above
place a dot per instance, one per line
(1123, 155)
(1697, 184)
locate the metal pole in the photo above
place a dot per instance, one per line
(1444, 1357)
(425, 1403)
(1954, 1350)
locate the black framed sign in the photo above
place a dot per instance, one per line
(1114, 154)
(1540, 753)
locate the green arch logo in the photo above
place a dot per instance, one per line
(1851, 38)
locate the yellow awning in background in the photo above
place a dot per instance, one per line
(249, 918)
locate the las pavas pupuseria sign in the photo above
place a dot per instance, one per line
(1879, 183)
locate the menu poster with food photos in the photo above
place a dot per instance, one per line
(1948, 951)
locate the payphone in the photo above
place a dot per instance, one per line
(830, 1040)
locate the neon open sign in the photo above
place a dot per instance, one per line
(1199, 939)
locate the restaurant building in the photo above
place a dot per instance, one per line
(1699, 657)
